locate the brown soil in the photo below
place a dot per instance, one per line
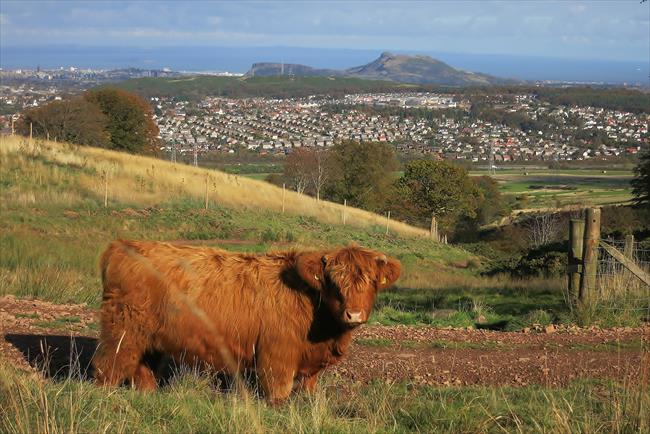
(45, 336)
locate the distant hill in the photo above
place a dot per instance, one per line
(391, 67)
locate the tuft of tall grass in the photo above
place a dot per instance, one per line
(619, 300)
(191, 403)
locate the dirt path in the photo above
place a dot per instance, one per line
(34, 332)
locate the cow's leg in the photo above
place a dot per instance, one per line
(308, 382)
(124, 338)
(144, 379)
(276, 374)
(117, 361)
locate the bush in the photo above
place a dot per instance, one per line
(546, 261)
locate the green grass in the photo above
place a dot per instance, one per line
(258, 176)
(435, 344)
(59, 323)
(630, 345)
(191, 404)
(27, 315)
(378, 342)
(499, 303)
(550, 188)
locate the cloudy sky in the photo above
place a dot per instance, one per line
(604, 30)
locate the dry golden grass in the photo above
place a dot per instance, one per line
(149, 181)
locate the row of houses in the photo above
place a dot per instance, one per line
(279, 125)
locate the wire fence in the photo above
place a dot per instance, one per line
(616, 283)
(609, 266)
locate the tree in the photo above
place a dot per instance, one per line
(130, 120)
(298, 167)
(435, 188)
(641, 181)
(305, 169)
(319, 172)
(542, 229)
(73, 120)
(361, 173)
(492, 204)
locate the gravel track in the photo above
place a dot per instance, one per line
(33, 331)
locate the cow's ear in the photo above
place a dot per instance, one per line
(311, 268)
(389, 271)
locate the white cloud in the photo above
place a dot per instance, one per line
(214, 20)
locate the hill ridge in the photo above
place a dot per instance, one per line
(165, 178)
(401, 68)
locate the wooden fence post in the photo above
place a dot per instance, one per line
(628, 250)
(345, 205)
(576, 238)
(590, 257)
(434, 229)
(106, 189)
(387, 222)
(206, 190)
(284, 193)
(30, 134)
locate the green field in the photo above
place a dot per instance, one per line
(555, 188)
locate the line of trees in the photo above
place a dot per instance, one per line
(107, 117)
(365, 174)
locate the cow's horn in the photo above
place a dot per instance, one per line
(316, 277)
(382, 258)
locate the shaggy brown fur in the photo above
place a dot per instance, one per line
(286, 315)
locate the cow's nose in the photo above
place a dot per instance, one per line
(354, 317)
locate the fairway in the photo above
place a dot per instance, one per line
(543, 188)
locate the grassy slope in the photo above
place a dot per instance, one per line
(55, 225)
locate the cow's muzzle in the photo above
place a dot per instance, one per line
(354, 317)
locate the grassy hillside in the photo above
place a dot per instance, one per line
(200, 86)
(55, 223)
(143, 181)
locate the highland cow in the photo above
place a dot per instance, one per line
(284, 316)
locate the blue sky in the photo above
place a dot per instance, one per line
(604, 30)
